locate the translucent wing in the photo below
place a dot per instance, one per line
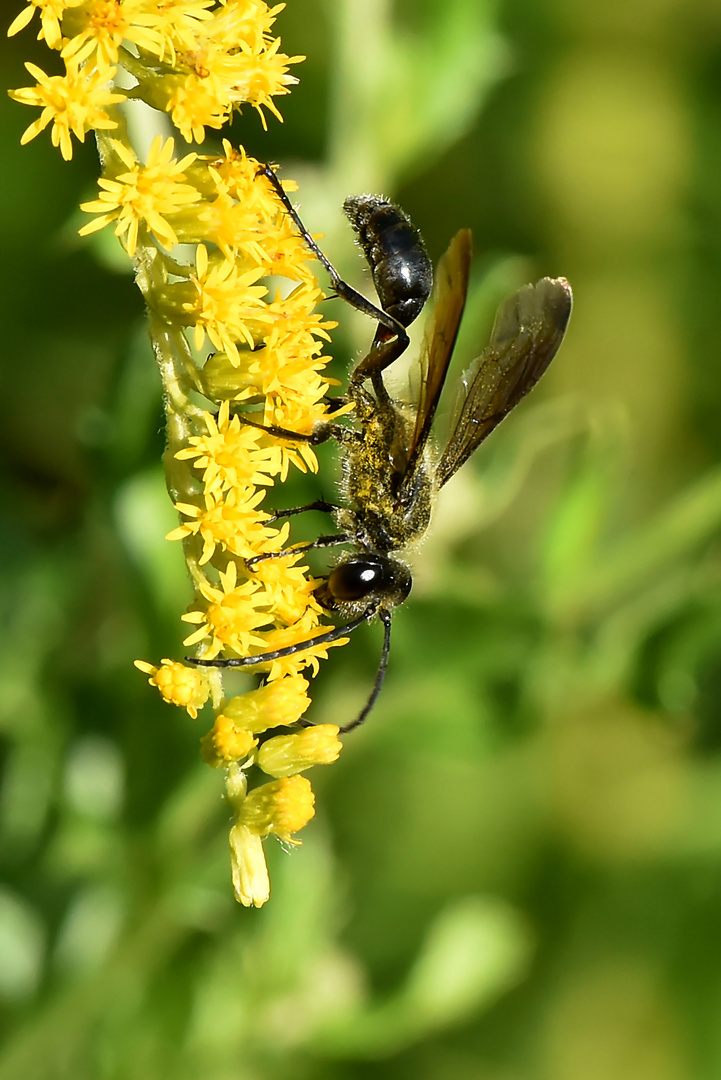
(527, 334)
(451, 287)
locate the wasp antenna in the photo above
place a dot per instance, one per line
(385, 617)
(289, 650)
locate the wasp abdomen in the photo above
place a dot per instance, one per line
(396, 254)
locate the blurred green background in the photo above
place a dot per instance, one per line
(515, 869)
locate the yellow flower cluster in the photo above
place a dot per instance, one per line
(199, 60)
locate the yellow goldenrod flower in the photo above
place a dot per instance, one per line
(221, 58)
(144, 195)
(222, 79)
(231, 523)
(234, 611)
(288, 590)
(237, 174)
(218, 64)
(194, 104)
(178, 23)
(297, 403)
(249, 871)
(179, 685)
(74, 103)
(263, 77)
(280, 808)
(51, 14)
(226, 303)
(231, 455)
(98, 29)
(277, 704)
(286, 755)
(245, 20)
(225, 743)
(240, 227)
(291, 340)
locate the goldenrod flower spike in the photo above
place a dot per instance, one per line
(206, 233)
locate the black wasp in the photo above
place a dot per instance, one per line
(391, 468)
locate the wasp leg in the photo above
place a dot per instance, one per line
(323, 431)
(321, 542)
(289, 650)
(385, 618)
(319, 504)
(381, 355)
(342, 288)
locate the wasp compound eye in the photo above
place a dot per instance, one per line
(364, 578)
(355, 580)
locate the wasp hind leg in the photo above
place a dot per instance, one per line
(340, 287)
